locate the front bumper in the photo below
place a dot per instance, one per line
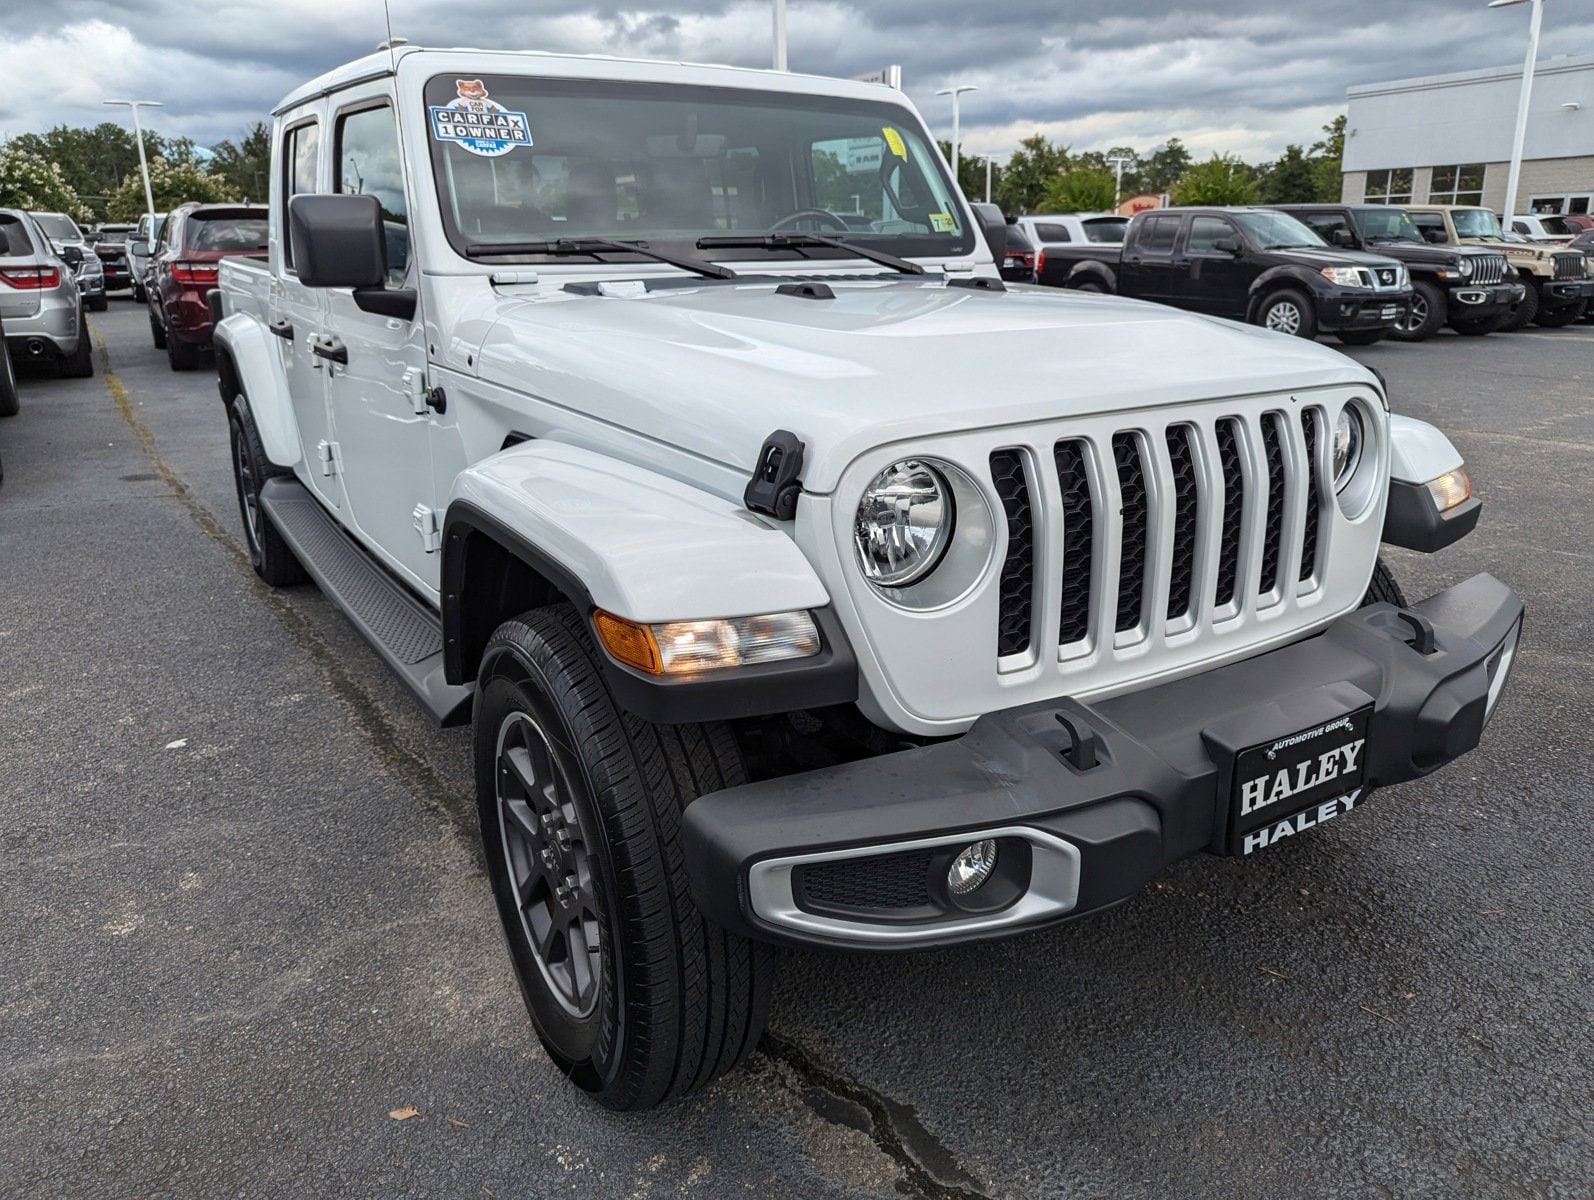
(1475, 303)
(1343, 310)
(1087, 815)
(1566, 291)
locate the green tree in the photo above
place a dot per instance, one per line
(94, 161)
(1164, 167)
(30, 181)
(172, 184)
(1222, 179)
(246, 165)
(1328, 161)
(1029, 172)
(1082, 189)
(971, 171)
(1293, 179)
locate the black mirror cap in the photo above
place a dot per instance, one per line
(993, 225)
(338, 241)
(71, 256)
(1342, 237)
(1227, 245)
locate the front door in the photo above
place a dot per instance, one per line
(377, 396)
(1217, 280)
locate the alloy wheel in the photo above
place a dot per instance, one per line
(1284, 317)
(1416, 315)
(248, 498)
(549, 864)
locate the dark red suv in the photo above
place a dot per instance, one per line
(187, 259)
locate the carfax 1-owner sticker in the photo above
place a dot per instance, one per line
(477, 123)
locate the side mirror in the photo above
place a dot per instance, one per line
(1341, 237)
(71, 256)
(337, 241)
(993, 227)
(1227, 245)
(138, 249)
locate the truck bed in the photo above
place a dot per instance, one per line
(1063, 258)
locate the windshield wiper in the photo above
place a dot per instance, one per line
(596, 245)
(799, 241)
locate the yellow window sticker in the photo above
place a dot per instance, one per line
(942, 223)
(894, 140)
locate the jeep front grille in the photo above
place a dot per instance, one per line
(1208, 516)
(1488, 269)
(1570, 266)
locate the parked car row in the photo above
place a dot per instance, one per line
(184, 263)
(1361, 272)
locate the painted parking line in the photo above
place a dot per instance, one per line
(1557, 337)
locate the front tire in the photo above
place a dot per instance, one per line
(80, 363)
(1559, 318)
(157, 331)
(1384, 588)
(1424, 316)
(270, 556)
(1526, 310)
(180, 354)
(1479, 326)
(1289, 312)
(99, 303)
(636, 997)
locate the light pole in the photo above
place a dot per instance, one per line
(779, 14)
(989, 159)
(955, 92)
(1522, 103)
(143, 163)
(1118, 164)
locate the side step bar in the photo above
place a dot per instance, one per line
(406, 633)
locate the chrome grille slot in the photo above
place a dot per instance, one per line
(1017, 605)
(1078, 542)
(1488, 269)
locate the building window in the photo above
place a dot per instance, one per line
(1392, 186)
(1457, 185)
(1560, 204)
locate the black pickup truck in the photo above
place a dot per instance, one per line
(1470, 288)
(1251, 264)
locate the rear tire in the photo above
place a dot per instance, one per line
(1289, 312)
(1425, 315)
(80, 363)
(99, 303)
(1361, 337)
(1527, 308)
(636, 997)
(157, 331)
(180, 354)
(269, 555)
(1090, 285)
(1384, 588)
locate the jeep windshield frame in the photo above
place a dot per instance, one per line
(567, 160)
(1475, 223)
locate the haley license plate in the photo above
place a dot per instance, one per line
(1295, 783)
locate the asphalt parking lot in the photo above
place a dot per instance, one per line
(245, 919)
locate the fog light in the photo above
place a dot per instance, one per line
(971, 868)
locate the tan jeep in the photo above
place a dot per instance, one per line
(1559, 285)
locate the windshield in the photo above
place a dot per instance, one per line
(1475, 223)
(1379, 223)
(1106, 229)
(1277, 231)
(58, 228)
(520, 160)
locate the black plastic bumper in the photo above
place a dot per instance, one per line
(1413, 520)
(1346, 310)
(1564, 292)
(1469, 302)
(1159, 790)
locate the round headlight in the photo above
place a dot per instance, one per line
(1348, 438)
(904, 523)
(1465, 266)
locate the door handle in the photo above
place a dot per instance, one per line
(283, 329)
(330, 349)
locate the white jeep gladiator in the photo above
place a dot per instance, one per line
(802, 584)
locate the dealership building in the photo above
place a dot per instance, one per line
(1446, 139)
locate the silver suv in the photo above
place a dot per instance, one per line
(39, 299)
(65, 235)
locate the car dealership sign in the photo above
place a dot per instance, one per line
(1140, 203)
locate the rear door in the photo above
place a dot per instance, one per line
(1216, 281)
(377, 396)
(298, 313)
(1151, 270)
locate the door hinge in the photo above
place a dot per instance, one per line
(425, 521)
(415, 388)
(331, 458)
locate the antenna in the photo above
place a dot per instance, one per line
(392, 43)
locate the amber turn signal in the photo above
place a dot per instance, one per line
(627, 642)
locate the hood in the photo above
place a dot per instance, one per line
(1422, 252)
(1335, 258)
(714, 369)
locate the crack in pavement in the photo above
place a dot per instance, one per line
(928, 1167)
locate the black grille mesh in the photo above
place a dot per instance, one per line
(1132, 563)
(1273, 530)
(1017, 602)
(1309, 534)
(1078, 540)
(883, 882)
(1233, 510)
(1181, 456)
(1569, 266)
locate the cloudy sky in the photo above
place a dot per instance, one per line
(1245, 76)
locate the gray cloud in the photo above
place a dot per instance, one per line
(1092, 73)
